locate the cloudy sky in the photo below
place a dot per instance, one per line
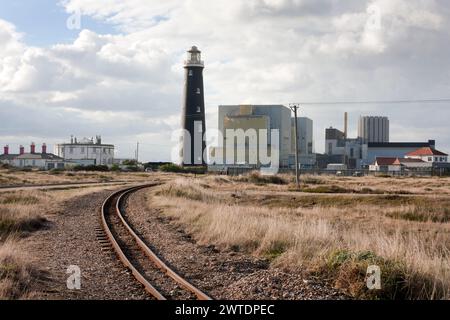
(120, 73)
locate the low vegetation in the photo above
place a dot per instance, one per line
(21, 214)
(173, 168)
(259, 179)
(16, 273)
(333, 236)
(14, 177)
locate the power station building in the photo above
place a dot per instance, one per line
(373, 129)
(251, 120)
(193, 117)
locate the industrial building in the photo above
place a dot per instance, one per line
(257, 117)
(263, 117)
(373, 129)
(307, 156)
(371, 144)
(86, 152)
(32, 159)
(339, 149)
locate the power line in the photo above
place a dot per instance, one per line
(376, 102)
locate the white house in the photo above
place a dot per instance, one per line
(43, 160)
(386, 164)
(429, 155)
(86, 152)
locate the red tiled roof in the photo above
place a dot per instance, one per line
(385, 161)
(426, 152)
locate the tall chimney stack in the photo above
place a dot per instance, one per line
(44, 148)
(33, 148)
(22, 150)
(346, 125)
(6, 150)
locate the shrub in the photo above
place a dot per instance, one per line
(179, 169)
(56, 171)
(101, 168)
(259, 179)
(171, 168)
(349, 270)
(327, 189)
(16, 274)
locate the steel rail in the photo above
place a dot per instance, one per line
(148, 252)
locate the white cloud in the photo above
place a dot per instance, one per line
(271, 51)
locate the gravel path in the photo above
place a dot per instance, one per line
(71, 240)
(221, 274)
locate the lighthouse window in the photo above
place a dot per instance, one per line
(199, 110)
(199, 91)
(191, 73)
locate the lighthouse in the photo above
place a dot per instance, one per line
(193, 119)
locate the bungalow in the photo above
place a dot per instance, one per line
(44, 160)
(429, 155)
(387, 164)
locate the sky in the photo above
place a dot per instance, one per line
(119, 72)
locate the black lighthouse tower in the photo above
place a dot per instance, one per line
(193, 111)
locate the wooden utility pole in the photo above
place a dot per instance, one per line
(294, 107)
(137, 153)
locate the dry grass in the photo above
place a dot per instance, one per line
(10, 177)
(360, 185)
(16, 273)
(21, 213)
(407, 236)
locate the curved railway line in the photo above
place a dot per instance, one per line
(158, 279)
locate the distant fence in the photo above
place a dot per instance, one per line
(235, 171)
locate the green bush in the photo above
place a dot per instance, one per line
(171, 168)
(179, 169)
(91, 168)
(56, 171)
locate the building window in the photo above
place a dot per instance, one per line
(430, 159)
(191, 73)
(71, 150)
(436, 159)
(199, 109)
(104, 150)
(352, 153)
(199, 91)
(82, 150)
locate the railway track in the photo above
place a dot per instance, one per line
(158, 279)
